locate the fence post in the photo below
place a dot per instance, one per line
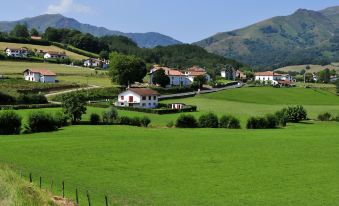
(76, 196)
(106, 200)
(89, 199)
(63, 189)
(40, 182)
(30, 177)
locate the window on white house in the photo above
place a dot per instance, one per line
(155, 97)
(144, 98)
(150, 98)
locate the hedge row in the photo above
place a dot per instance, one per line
(110, 117)
(28, 106)
(189, 108)
(209, 120)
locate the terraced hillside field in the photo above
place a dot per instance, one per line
(72, 55)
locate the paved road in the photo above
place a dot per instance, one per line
(190, 94)
(72, 90)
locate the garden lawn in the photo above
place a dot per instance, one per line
(136, 166)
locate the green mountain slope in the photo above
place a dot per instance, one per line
(42, 22)
(281, 40)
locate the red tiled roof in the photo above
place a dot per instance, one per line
(196, 73)
(173, 72)
(42, 72)
(144, 91)
(268, 73)
(196, 69)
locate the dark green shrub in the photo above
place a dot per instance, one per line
(186, 121)
(224, 121)
(95, 119)
(145, 121)
(135, 121)
(110, 115)
(6, 98)
(10, 123)
(256, 123)
(125, 120)
(229, 122)
(295, 113)
(32, 99)
(42, 122)
(61, 119)
(209, 120)
(282, 118)
(234, 123)
(272, 121)
(324, 117)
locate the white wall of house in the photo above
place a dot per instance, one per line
(273, 79)
(131, 99)
(37, 77)
(54, 56)
(179, 81)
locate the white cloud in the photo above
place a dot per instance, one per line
(67, 6)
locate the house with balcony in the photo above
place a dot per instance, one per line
(270, 77)
(138, 97)
(177, 78)
(55, 55)
(195, 71)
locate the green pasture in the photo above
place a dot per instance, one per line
(297, 165)
(65, 74)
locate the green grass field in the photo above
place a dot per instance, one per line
(297, 165)
(65, 74)
(134, 166)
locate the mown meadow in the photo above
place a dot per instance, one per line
(296, 165)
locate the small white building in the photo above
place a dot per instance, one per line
(17, 53)
(55, 55)
(39, 75)
(273, 78)
(195, 71)
(138, 97)
(228, 73)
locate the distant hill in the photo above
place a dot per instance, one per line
(304, 37)
(147, 40)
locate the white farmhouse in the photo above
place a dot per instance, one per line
(273, 78)
(17, 53)
(177, 78)
(39, 75)
(138, 97)
(195, 71)
(55, 55)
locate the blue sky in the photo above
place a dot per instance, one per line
(185, 20)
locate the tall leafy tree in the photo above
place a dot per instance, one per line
(160, 77)
(34, 32)
(20, 31)
(74, 105)
(125, 69)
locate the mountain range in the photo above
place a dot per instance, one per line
(42, 22)
(304, 37)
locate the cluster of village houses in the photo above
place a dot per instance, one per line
(23, 53)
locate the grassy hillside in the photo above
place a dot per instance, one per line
(72, 55)
(314, 68)
(304, 37)
(279, 96)
(14, 191)
(136, 166)
(65, 74)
